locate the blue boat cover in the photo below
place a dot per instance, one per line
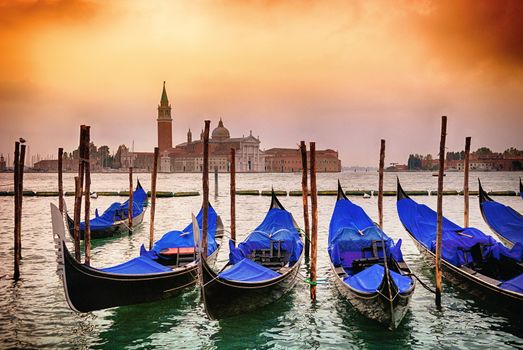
(504, 220)
(515, 284)
(277, 226)
(185, 238)
(248, 271)
(369, 280)
(137, 266)
(351, 230)
(118, 211)
(421, 222)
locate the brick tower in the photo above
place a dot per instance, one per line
(165, 122)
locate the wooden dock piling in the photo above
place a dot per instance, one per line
(87, 195)
(60, 180)
(233, 196)
(17, 209)
(466, 183)
(78, 194)
(380, 184)
(305, 198)
(216, 181)
(153, 196)
(205, 181)
(130, 210)
(440, 209)
(314, 231)
(20, 195)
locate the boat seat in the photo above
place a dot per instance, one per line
(273, 258)
(361, 264)
(179, 255)
(374, 250)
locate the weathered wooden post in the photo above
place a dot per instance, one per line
(466, 182)
(205, 180)
(153, 196)
(78, 194)
(60, 180)
(16, 272)
(216, 181)
(314, 231)
(440, 209)
(233, 195)
(87, 195)
(21, 165)
(130, 210)
(77, 208)
(305, 197)
(380, 184)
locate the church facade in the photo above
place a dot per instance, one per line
(188, 156)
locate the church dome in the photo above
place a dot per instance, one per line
(220, 132)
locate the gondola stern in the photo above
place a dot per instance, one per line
(275, 202)
(341, 194)
(483, 196)
(400, 193)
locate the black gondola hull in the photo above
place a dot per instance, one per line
(375, 305)
(223, 298)
(88, 289)
(484, 291)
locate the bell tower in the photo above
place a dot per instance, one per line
(165, 129)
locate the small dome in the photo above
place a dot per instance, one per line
(220, 133)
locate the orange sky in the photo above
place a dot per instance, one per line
(341, 73)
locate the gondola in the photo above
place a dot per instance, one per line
(378, 288)
(138, 280)
(114, 220)
(260, 270)
(504, 221)
(471, 260)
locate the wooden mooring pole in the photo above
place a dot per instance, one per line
(130, 210)
(87, 195)
(314, 231)
(153, 196)
(440, 209)
(305, 198)
(60, 180)
(380, 184)
(466, 182)
(20, 195)
(205, 183)
(216, 181)
(79, 183)
(16, 272)
(233, 195)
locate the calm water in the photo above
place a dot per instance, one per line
(34, 313)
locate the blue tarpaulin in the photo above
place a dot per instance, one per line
(118, 211)
(248, 271)
(515, 284)
(457, 242)
(504, 220)
(185, 238)
(137, 266)
(369, 280)
(351, 230)
(277, 226)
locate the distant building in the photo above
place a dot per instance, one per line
(51, 165)
(3, 166)
(288, 160)
(188, 156)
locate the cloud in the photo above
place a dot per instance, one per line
(474, 34)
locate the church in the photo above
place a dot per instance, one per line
(188, 156)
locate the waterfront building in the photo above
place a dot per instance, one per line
(288, 160)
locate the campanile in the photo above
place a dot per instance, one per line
(165, 122)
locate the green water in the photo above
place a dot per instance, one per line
(34, 313)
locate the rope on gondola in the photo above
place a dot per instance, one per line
(308, 281)
(422, 283)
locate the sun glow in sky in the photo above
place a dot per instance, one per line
(341, 73)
